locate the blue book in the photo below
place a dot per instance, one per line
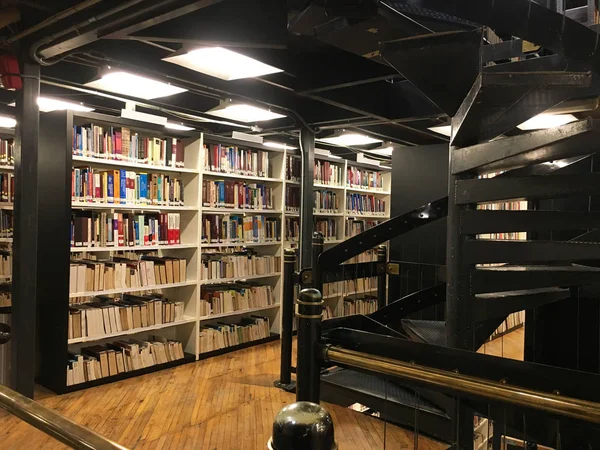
(111, 188)
(143, 187)
(136, 230)
(221, 193)
(159, 184)
(123, 186)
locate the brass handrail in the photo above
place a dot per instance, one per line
(550, 403)
(53, 424)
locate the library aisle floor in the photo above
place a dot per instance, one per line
(223, 403)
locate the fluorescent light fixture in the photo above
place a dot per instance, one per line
(222, 63)
(47, 104)
(349, 139)
(383, 151)
(542, 121)
(7, 122)
(125, 83)
(247, 137)
(143, 117)
(279, 145)
(177, 126)
(243, 113)
(445, 130)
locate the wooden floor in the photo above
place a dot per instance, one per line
(223, 403)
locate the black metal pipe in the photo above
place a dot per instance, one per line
(318, 243)
(309, 314)
(381, 276)
(287, 321)
(307, 147)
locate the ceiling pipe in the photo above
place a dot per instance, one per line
(50, 21)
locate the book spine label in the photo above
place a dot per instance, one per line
(123, 185)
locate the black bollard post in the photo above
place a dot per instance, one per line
(309, 311)
(318, 242)
(302, 426)
(381, 276)
(287, 322)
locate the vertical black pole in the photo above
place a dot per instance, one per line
(318, 242)
(307, 147)
(309, 314)
(287, 321)
(25, 242)
(381, 276)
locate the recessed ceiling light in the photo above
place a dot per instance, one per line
(222, 63)
(177, 126)
(278, 145)
(7, 122)
(542, 121)
(445, 130)
(134, 85)
(47, 104)
(349, 139)
(243, 113)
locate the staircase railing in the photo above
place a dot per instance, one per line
(53, 424)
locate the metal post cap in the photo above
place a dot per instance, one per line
(302, 426)
(310, 295)
(317, 237)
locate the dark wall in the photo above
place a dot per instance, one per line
(419, 176)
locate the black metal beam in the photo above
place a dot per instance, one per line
(488, 221)
(26, 227)
(483, 251)
(307, 148)
(489, 190)
(574, 139)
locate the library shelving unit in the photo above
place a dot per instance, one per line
(56, 130)
(338, 224)
(6, 220)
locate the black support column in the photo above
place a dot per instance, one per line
(307, 147)
(26, 225)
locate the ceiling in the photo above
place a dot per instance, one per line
(333, 76)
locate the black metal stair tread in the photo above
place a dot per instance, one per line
(539, 268)
(429, 331)
(378, 387)
(520, 293)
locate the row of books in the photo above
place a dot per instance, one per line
(234, 297)
(326, 202)
(293, 196)
(235, 160)
(240, 229)
(6, 296)
(219, 336)
(241, 264)
(120, 144)
(292, 229)
(236, 194)
(5, 263)
(7, 187)
(349, 287)
(98, 361)
(328, 227)
(6, 223)
(293, 168)
(125, 187)
(87, 275)
(364, 179)
(328, 173)
(367, 256)
(350, 306)
(102, 229)
(357, 226)
(107, 315)
(364, 204)
(7, 157)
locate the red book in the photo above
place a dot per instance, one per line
(171, 229)
(120, 230)
(118, 145)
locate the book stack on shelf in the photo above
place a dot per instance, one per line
(231, 159)
(357, 297)
(516, 319)
(327, 227)
(221, 336)
(328, 173)
(364, 179)
(237, 195)
(326, 201)
(292, 199)
(292, 230)
(7, 193)
(97, 362)
(246, 263)
(293, 169)
(238, 229)
(222, 299)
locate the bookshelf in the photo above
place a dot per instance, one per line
(257, 219)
